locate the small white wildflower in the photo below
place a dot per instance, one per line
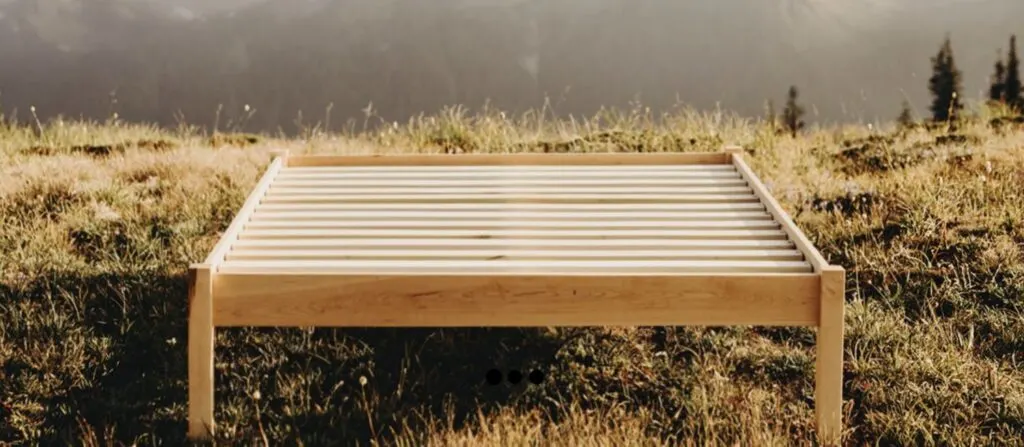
(362, 380)
(247, 107)
(32, 109)
(172, 341)
(256, 395)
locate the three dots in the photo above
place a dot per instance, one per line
(494, 376)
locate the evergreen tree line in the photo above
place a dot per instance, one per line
(945, 85)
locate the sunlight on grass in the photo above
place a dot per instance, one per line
(100, 221)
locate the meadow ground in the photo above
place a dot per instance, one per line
(101, 220)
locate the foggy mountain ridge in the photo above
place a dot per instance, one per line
(151, 59)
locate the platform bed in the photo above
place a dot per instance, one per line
(514, 240)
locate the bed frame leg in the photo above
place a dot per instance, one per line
(828, 387)
(200, 353)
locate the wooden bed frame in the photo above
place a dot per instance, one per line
(514, 240)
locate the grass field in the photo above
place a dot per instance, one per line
(100, 222)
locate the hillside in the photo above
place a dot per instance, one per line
(100, 221)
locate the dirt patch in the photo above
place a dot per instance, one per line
(622, 141)
(974, 231)
(233, 140)
(101, 150)
(848, 204)
(960, 160)
(555, 147)
(876, 158)
(956, 139)
(879, 154)
(873, 154)
(886, 140)
(454, 144)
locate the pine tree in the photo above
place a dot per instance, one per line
(997, 88)
(791, 116)
(906, 118)
(945, 84)
(1011, 81)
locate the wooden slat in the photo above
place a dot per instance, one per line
(509, 233)
(509, 198)
(520, 174)
(507, 223)
(514, 168)
(514, 300)
(513, 254)
(579, 244)
(369, 266)
(518, 207)
(773, 207)
(518, 159)
(519, 190)
(510, 181)
(532, 216)
(242, 215)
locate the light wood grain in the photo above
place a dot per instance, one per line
(330, 233)
(732, 149)
(510, 198)
(283, 154)
(511, 189)
(291, 174)
(558, 168)
(514, 300)
(578, 244)
(200, 352)
(501, 266)
(469, 183)
(518, 207)
(510, 213)
(512, 254)
(828, 390)
(512, 222)
(514, 240)
(515, 159)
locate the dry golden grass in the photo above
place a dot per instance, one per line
(100, 221)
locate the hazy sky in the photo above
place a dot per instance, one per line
(852, 59)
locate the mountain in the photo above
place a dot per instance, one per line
(852, 59)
